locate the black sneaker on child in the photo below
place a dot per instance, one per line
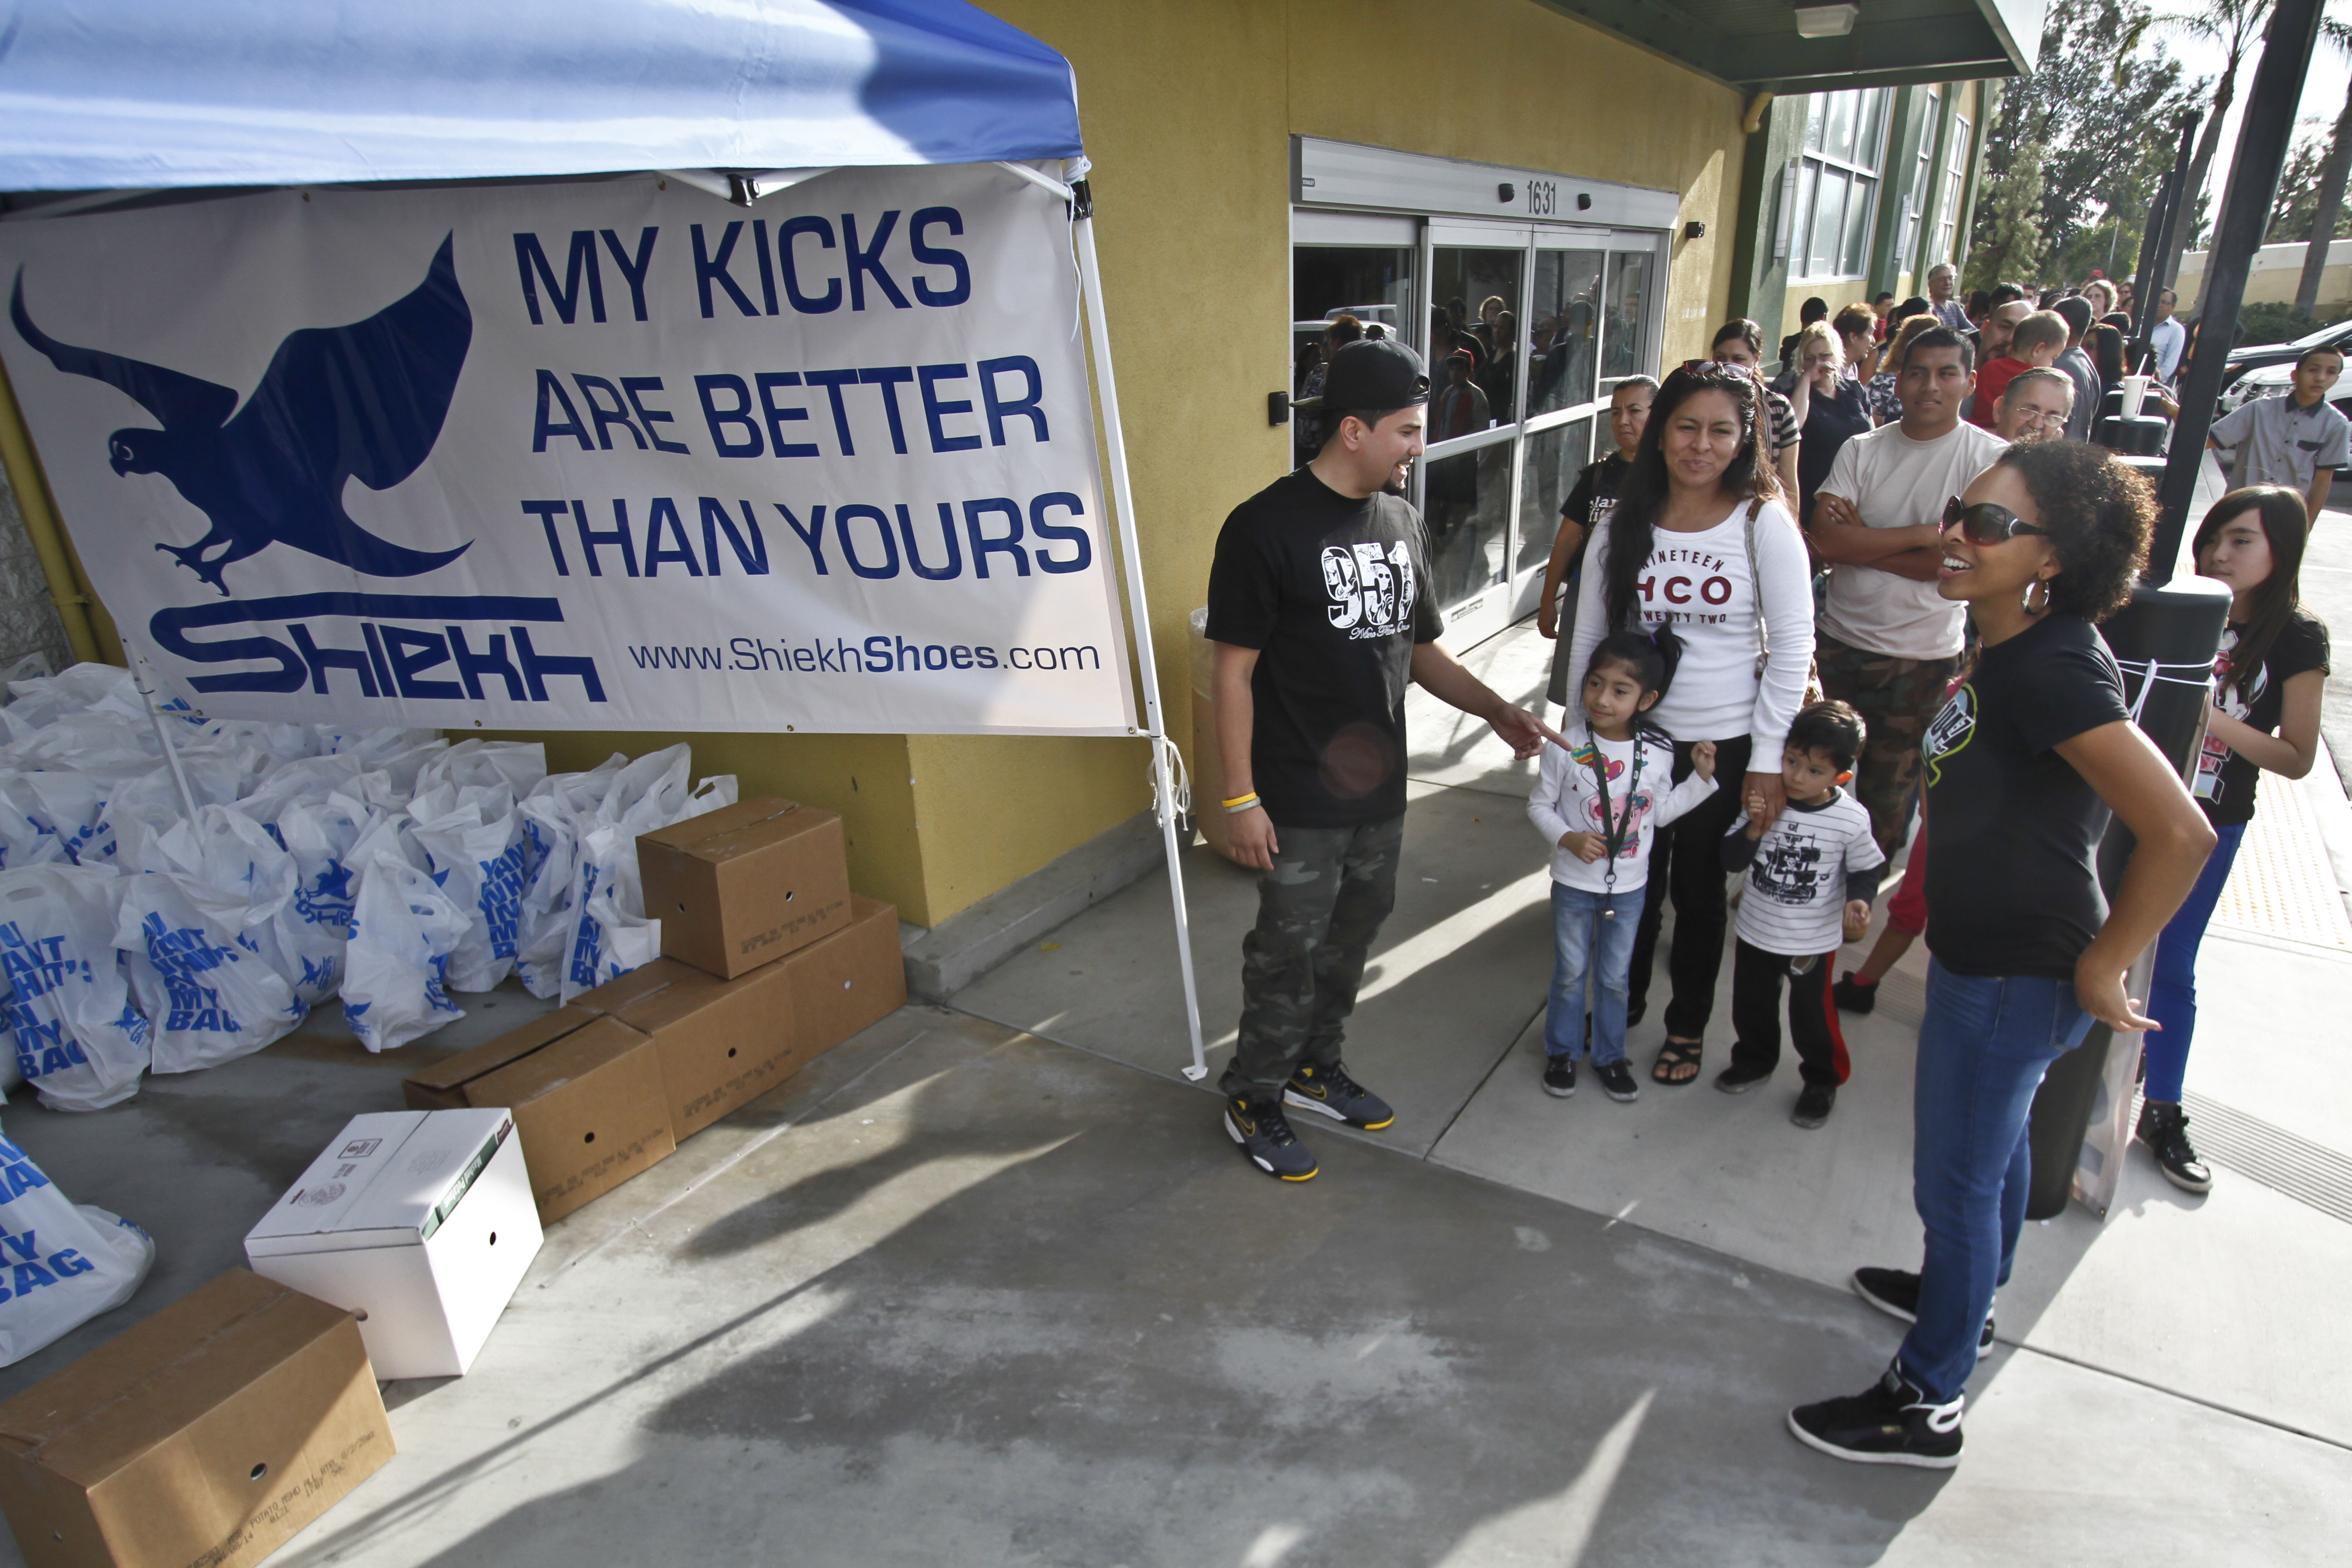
(1739, 1079)
(1265, 1135)
(1896, 1292)
(1332, 1092)
(1892, 1422)
(1853, 993)
(2165, 1130)
(1560, 1077)
(1813, 1105)
(1617, 1081)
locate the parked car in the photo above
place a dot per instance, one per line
(2247, 358)
(2275, 380)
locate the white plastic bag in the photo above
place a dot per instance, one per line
(517, 764)
(610, 932)
(79, 1037)
(395, 976)
(192, 924)
(315, 925)
(473, 842)
(550, 855)
(61, 1263)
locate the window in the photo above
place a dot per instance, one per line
(1845, 140)
(1923, 181)
(1956, 170)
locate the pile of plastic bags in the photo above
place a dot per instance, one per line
(387, 867)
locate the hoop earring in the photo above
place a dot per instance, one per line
(2031, 607)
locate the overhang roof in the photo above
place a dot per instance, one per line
(1753, 44)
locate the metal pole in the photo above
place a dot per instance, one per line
(1139, 611)
(2159, 237)
(164, 738)
(2262, 138)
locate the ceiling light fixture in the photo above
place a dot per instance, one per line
(1827, 21)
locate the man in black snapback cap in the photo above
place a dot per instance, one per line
(1318, 614)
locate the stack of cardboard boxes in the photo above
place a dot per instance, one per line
(767, 961)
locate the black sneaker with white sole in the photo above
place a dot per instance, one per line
(1617, 1081)
(2164, 1128)
(1814, 1103)
(1331, 1092)
(1892, 1421)
(1739, 1079)
(1896, 1292)
(1264, 1132)
(1560, 1077)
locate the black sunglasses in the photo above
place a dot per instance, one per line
(1987, 524)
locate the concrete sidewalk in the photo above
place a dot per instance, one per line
(981, 1293)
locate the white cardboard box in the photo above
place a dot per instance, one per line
(421, 1221)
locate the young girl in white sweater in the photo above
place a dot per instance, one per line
(1600, 804)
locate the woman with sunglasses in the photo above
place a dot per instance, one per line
(2024, 765)
(1701, 540)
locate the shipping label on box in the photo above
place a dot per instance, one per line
(848, 982)
(207, 1435)
(722, 1042)
(742, 886)
(587, 1098)
(423, 1221)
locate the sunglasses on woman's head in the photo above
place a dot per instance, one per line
(1986, 523)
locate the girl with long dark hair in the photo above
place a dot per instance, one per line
(2268, 682)
(1701, 540)
(2024, 765)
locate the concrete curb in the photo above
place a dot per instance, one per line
(943, 959)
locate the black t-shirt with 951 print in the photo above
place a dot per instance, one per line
(1333, 594)
(2012, 879)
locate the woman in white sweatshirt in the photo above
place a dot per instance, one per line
(1699, 526)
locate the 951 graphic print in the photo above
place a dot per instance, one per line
(1950, 731)
(1371, 586)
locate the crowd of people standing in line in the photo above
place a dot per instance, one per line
(1743, 692)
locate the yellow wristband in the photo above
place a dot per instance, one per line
(1245, 803)
(1241, 800)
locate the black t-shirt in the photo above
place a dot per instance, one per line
(1334, 595)
(2225, 781)
(1590, 499)
(2012, 879)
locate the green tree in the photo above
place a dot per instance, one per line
(2324, 223)
(2233, 27)
(2093, 126)
(2008, 240)
(2296, 206)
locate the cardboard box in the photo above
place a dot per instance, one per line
(722, 1042)
(208, 1434)
(848, 981)
(587, 1098)
(421, 1221)
(742, 886)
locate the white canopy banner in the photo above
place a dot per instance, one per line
(609, 455)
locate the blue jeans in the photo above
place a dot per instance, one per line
(1983, 1048)
(1583, 943)
(2172, 993)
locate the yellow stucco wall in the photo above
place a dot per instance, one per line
(1187, 107)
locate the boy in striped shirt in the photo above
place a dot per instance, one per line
(1812, 877)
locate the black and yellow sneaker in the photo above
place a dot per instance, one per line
(1336, 1095)
(1896, 1292)
(1264, 1132)
(1892, 1421)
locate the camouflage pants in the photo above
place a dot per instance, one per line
(1896, 697)
(1318, 911)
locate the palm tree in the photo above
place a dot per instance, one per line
(2233, 27)
(2331, 185)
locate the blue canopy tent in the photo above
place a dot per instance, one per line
(107, 103)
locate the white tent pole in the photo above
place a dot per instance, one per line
(170, 752)
(1138, 612)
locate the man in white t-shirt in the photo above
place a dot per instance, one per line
(1886, 640)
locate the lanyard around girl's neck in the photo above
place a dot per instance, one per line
(1613, 828)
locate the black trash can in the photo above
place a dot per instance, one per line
(2178, 626)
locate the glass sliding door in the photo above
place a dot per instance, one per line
(1361, 268)
(1477, 352)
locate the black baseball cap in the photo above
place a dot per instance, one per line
(1371, 373)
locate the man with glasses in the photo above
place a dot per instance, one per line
(1886, 641)
(2034, 407)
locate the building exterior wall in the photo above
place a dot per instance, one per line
(1187, 107)
(2276, 273)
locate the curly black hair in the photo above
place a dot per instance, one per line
(2100, 513)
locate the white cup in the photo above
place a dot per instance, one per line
(2134, 389)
